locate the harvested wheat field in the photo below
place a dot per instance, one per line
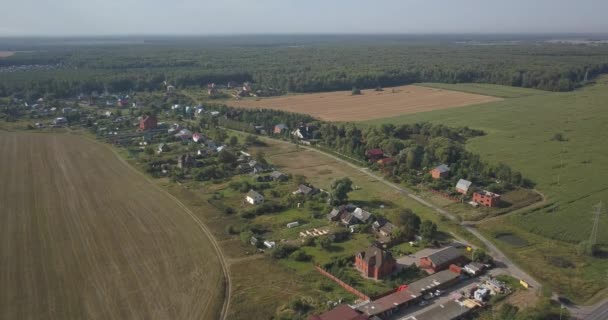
(371, 104)
(84, 236)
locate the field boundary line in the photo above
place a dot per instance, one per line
(202, 226)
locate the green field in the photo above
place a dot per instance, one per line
(571, 173)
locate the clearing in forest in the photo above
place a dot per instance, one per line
(370, 104)
(84, 236)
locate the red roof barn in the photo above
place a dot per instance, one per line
(486, 198)
(375, 263)
(147, 123)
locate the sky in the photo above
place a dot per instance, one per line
(202, 17)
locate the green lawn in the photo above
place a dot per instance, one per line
(571, 173)
(487, 89)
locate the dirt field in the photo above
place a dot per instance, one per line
(83, 236)
(4, 54)
(343, 106)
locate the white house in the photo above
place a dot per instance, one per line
(254, 197)
(293, 224)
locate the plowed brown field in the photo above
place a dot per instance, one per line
(342, 106)
(84, 236)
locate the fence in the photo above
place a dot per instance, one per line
(342, 284)
(447, 196)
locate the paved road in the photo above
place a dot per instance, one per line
(600, 312)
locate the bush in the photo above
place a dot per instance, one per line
(282, 251)
(300, 255)
(246, 236)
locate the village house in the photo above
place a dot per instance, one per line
(362, 215)
(254, 197)
(279, 128)
(196, 137)
(147, 123)
(341, 312)
(278, 176)
(387, 229)
(60, 121)
(375, 263)
(486, 198)
(440, 171)
(186, 161)
(184, 134)
(441, 259)
(463, 186)
(304, 132)
(305, 190)
(349, 215)
(374, 155)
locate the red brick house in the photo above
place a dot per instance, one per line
(374, 155)
(440, 171)
(375, 263)
(442, 259)
(341, 312)
(147, 123)
(486, 198)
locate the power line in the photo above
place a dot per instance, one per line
(596, 223)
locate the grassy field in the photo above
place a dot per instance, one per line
(370, 104)
(86, 237)
(571, 173)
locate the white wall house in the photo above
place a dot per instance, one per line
(254, 197)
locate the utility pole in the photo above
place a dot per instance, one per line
(596, 223)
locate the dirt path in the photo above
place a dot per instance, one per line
(201, 225)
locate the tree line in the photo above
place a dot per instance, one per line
(312, 68)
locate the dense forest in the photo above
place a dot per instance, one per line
(300, 68)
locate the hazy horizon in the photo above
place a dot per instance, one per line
(66, 18)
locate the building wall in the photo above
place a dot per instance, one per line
(438, 175)
(485, 200)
